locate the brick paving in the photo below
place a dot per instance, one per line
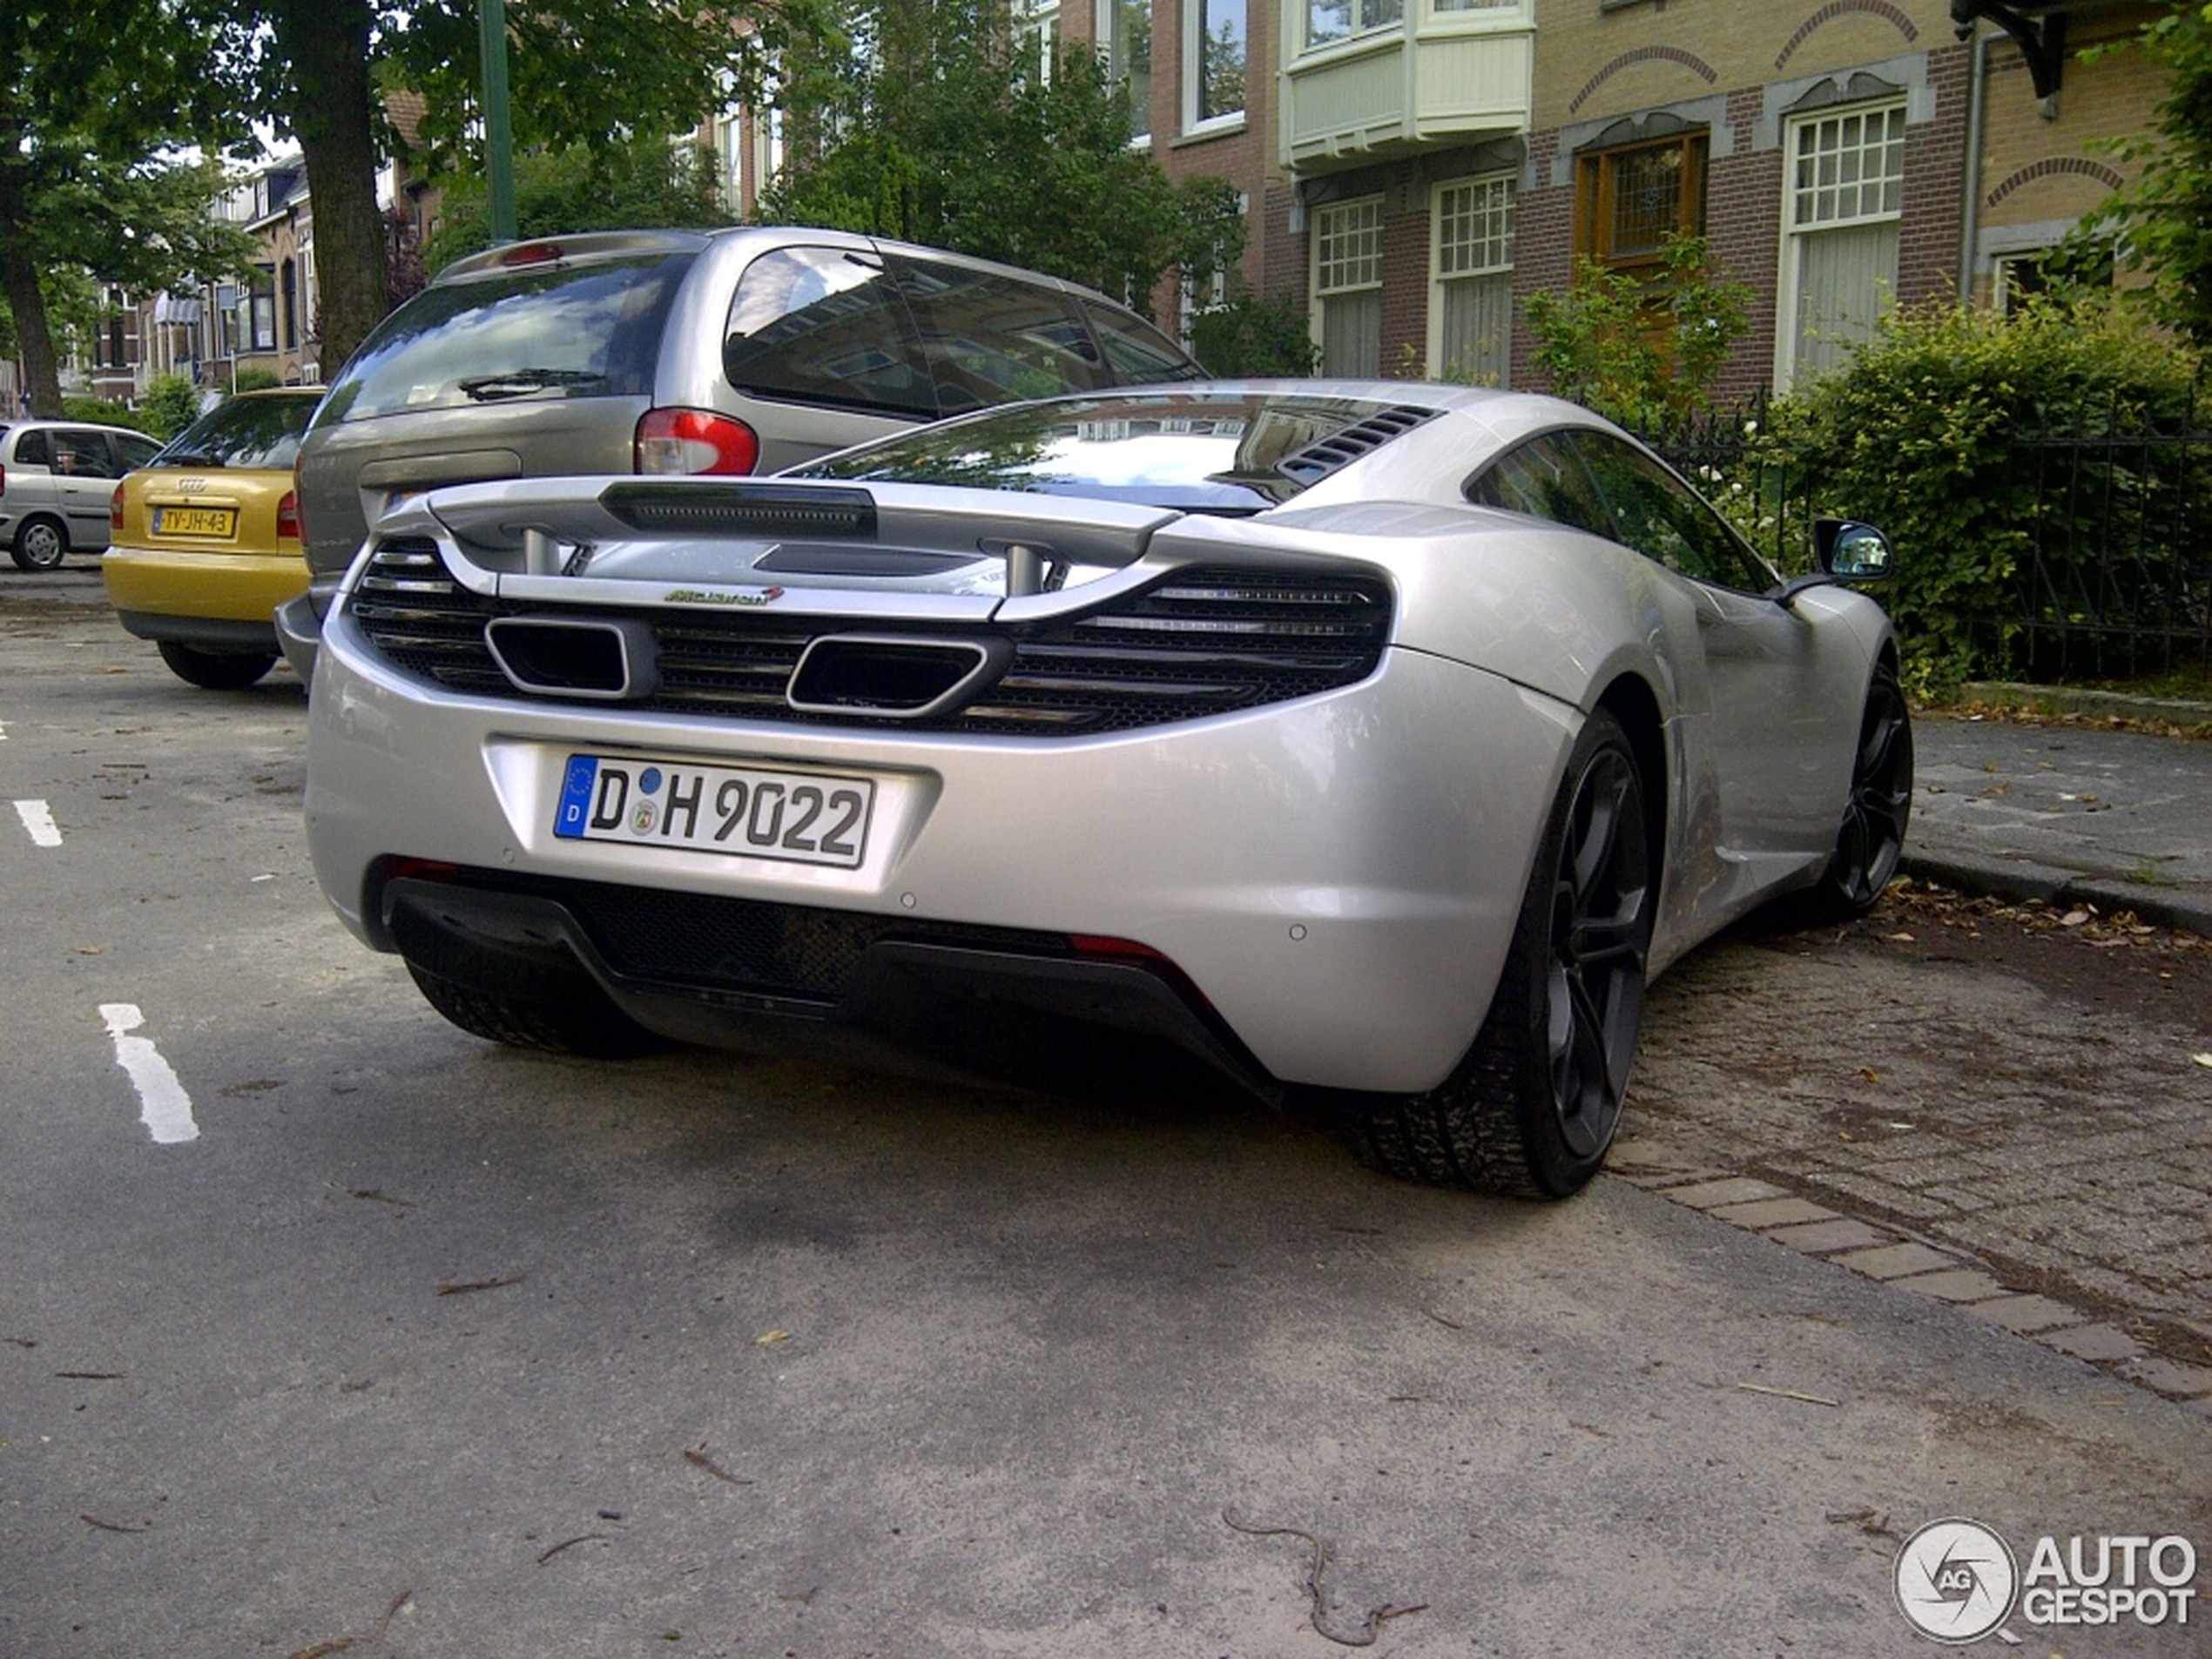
(1967, 1136)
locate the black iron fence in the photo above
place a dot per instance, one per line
(2105, 524)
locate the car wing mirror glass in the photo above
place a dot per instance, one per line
(1850, 551)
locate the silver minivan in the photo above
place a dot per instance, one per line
(57, 478)
(735, 350)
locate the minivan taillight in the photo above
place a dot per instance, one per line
(115, 512)
(695, 440)
(287, 514)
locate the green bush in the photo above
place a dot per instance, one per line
(254, 380)
(1252, 338)
(1930, 430)
(103, 412)
(171, 403)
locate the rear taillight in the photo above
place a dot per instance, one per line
(115, 512)
(287, 513)
(695, 440)
(3, 481)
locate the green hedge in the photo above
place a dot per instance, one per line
(1941, 430)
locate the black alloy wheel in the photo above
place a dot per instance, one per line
(1533, 1108)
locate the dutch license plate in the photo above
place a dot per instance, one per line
(795, 817)
(194, 521)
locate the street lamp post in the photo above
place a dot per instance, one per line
(499, 148)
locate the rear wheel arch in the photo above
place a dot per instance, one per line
(1630, 700)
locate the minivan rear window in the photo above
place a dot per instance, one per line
(990, 339)
(586, 330)
(828, 326)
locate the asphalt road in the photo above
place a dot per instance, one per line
(322, 1322)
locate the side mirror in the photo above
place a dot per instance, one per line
(1850, 551)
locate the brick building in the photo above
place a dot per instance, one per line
(1416, 168)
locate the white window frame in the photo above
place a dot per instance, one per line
(1489, 253)
(1112, 38)
(1834, 202)
(1215, 294)
(1195, 38)
(1363, 18)
(1340, 267)
(1036, 23)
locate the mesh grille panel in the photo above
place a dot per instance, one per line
(1201, 642)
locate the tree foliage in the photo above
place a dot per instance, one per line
(2162, 221)
(98, 95)
(926, 120)
(643, 183)
(587, 72)
(1640, 350)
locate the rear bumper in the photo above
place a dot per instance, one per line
(202, 596)
(1327, 886)
(299, 630)
(1023, 1009)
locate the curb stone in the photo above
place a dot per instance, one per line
(1889, 1256)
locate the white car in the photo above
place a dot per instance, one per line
(1370, 745)
(56, 480)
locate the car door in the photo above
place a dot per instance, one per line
(84, 468)
(1772, 735)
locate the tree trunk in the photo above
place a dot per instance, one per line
(19, 282)
(326, 44)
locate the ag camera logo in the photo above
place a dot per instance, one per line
(1957, 1580)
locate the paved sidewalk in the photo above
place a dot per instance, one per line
(2076, 811)
(1986, 1164)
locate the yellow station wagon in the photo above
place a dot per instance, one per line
(203, 540)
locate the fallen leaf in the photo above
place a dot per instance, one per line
(766, 1336)
(2073, 918)
(2202, 1059)
(1900, 939)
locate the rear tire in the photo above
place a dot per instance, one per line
(216, 670)
(575, 1019)
(40, 543)
(1533, 1108)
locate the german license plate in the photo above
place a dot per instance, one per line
(194, 521)
(749, 811)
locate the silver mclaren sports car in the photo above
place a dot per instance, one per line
(1368, 745)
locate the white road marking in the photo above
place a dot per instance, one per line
(38, 819)
(164, 1107)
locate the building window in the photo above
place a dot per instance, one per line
(1213, 58)
(1125, 30)
(1845, 197)
(264, 312)
(289, 278)
(1211, 292)
(1328, 20)
(1471, 316)
(1347, 287)
(1630, 200)
(1036, 24)
(2017, 277)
